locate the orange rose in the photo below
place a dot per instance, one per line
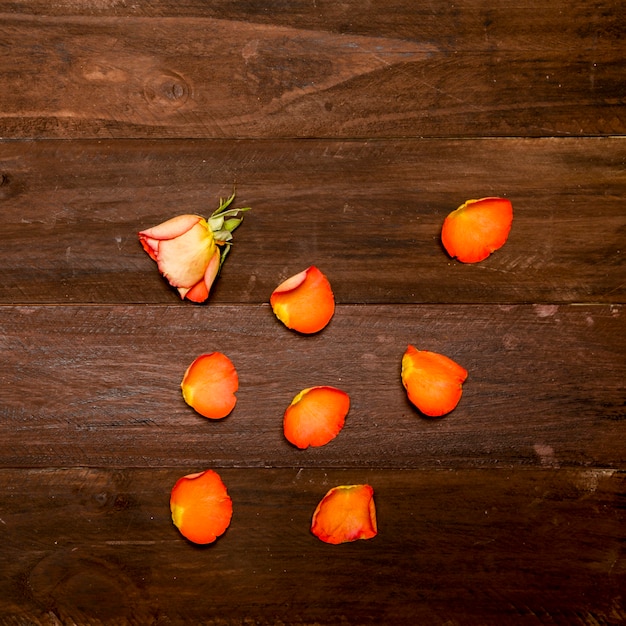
(189, 250)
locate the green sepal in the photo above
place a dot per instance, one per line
(223, 221)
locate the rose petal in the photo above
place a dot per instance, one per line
(477, 228)
(304, 302)
(346, 513)
(172, 228)
(200, 291)
(209, 385)
(315, 416)
(151, 246)
(433, 381)
(183, 261)
(201, 507)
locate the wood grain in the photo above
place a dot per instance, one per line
(352, 128)
(100, 386)
(368, 213)
(96, 546)
(232, 69)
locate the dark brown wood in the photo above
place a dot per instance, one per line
(92, 546)
(368, 213)
(352, 128)
(100, 386)
(233, 69)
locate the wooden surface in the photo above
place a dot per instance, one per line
(352, 129)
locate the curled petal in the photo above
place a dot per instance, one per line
(172, 228)
(209, 385)
(315, 416)
(151, 246)
(201, 507)
(346, 513)
(477, 228)
(200, 291)
(304, 302)
(212, 270)
(433, 381)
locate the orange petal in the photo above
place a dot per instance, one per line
(201, 507)
(346, 513)
(209, 385)
(304, 302)
(200, 291)
(433, 381)
(172, 228)
(477, 228)
(315, 416)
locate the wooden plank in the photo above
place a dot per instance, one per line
(96, 546)
(100, 386)
(233, 69)
(352, 129)
(368, 213)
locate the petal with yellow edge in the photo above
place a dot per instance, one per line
(209, 385)
(315, 416)
(434, 382)
(477, 228)
(305, 302)
(201, 507)
(345, 513)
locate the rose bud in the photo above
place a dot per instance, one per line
(209, 385)
(346, 513)
(477, 228)
(189, 250)
(304, 302)
(315, 416)
(201, 507)
(433, 381)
